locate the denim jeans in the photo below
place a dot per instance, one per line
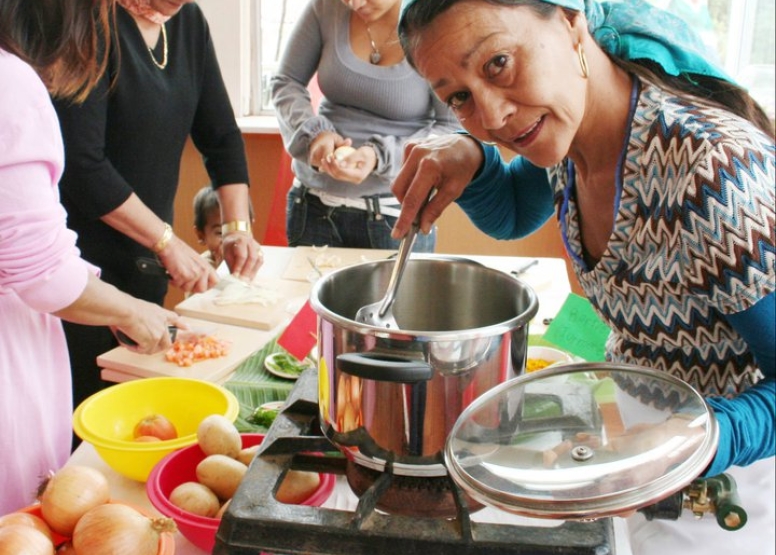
(309, 222)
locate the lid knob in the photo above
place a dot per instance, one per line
(581, 453)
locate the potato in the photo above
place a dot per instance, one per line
(246, 455)
(343, 152)
(217, 435)
(297, 486)
(221, 474)
(195, 498)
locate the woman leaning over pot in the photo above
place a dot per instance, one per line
(42, 277)
(660, 171)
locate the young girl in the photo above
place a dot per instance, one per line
(207, 224)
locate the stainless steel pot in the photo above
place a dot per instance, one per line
(392, 396)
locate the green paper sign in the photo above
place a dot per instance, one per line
(578, 330)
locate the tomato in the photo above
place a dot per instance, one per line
(147, 439)
(155, 425)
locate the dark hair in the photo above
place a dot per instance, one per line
(420, 15)
(205, 201)
(709, 90)
(63, 40)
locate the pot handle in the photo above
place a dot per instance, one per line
(384, 368)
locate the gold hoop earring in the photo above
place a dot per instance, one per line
(583, 61)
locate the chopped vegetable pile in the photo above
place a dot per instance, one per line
(239, 292)
(534, 364)
(263, 416)
(286, 363)
(185, 352)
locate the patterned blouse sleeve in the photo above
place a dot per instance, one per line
(729, 252)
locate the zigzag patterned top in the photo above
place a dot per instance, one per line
(693, 239)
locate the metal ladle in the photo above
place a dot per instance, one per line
(380, 314)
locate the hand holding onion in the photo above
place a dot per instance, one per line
(343, 152)
(348, 164)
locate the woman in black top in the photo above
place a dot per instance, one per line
(123, 148)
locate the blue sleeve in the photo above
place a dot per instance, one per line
(507, 201)
(757, 326)
(746, 427)
(747, 432)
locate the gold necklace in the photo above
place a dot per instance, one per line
(163, 63)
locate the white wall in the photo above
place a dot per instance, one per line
(230, 29)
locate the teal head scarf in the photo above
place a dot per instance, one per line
(635, 30)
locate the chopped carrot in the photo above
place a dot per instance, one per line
(185, 352)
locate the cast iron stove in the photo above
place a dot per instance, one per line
(385, 519)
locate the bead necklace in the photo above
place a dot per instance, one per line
(163, 63)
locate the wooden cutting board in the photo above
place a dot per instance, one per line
(117, 376)
(328, 259)
(290, 296)
(243, 343)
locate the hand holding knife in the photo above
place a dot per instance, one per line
(151, 267)
(127, 341)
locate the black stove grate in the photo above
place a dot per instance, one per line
(256, 522)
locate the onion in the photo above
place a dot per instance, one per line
(27, 519)
(20, 539)
(116, 529)
(239, 292)
(69, 494)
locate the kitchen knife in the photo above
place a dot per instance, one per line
(153, 267)
(124, 339)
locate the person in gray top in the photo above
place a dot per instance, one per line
(373, 103)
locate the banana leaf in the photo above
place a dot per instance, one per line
(253, 386)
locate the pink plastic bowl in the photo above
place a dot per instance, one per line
(181, 466)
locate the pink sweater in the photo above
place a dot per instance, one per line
(40, 272)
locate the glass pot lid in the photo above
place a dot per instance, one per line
(581, 441)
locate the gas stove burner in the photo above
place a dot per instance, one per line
(257, 522)
(408, 495)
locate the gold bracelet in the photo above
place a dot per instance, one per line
(164, 240)
(236, 225)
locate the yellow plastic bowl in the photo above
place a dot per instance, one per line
(107, 419)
